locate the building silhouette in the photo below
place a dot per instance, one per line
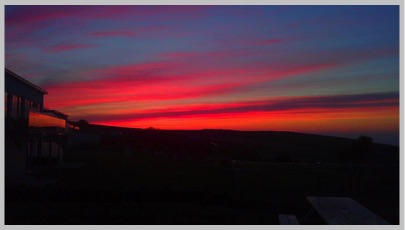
(35, 136)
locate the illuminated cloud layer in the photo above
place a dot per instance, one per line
(321, 69)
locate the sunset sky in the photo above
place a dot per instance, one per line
(330, 70)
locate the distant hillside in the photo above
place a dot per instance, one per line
(248, 145)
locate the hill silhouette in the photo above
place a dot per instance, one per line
(116, 175)
(262, 146)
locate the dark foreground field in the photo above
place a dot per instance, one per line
(204, 177)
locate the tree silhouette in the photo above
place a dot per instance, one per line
(82, 122)
(361, 148)
(359, 151)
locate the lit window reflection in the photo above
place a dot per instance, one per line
(41, 120)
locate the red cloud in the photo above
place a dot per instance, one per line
(159, 81)
(291, 105)
(79, 94)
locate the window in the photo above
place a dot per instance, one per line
(40, 120)
(17, 107)
(28, 106)
(14, 106)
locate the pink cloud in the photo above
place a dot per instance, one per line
(199, 56)
(171, 71)
(270, 41)
(173, 11)
(149, 72)
(67, 47)
(34, 14)
(38, 13)
(178, 54)
(250, 41)
(38, 16)
(118, 33)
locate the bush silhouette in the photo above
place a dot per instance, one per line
(360, 149)
(83, 122)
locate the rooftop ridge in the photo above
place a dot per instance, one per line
(18, 77)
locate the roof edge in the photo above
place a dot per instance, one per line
(18, 77)
(55, 111)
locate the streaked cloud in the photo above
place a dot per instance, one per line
(118, 33)
(68, 47)
(290, 104)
